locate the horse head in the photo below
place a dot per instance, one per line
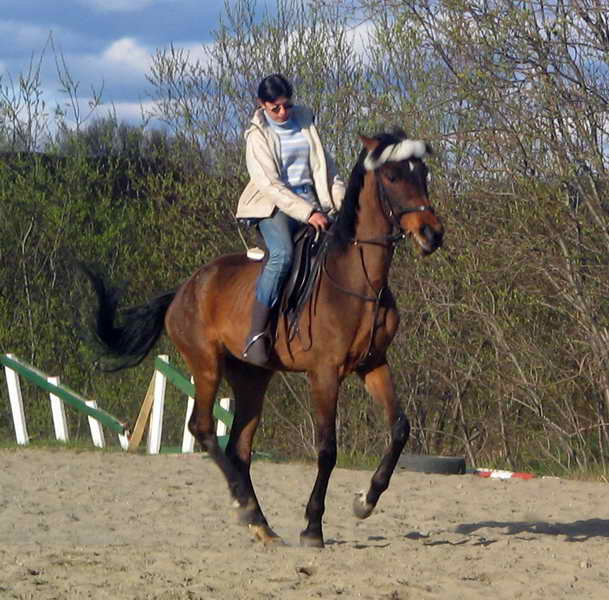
(401, 176)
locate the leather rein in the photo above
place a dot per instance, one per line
(387, 241)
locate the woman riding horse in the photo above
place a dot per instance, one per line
(293, 181)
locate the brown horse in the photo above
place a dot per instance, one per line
(349, 323)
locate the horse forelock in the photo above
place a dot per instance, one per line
(394, 148)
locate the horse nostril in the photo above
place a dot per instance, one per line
(431, 235)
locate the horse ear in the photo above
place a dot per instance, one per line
(369, 143)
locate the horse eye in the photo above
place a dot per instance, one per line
(392, 177)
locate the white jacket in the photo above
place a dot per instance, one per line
(265, 191)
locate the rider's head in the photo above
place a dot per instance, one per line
(275, 97)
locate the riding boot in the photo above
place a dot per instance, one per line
(258, 341)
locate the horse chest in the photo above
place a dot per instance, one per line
(378, 326)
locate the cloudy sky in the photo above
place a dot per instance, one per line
(107, 42)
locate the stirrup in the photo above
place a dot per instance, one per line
(252, 341)
(258, 354)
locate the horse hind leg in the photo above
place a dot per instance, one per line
(249, 384)
(207, 373)
(379, 385)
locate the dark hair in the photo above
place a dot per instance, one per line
(273, 87)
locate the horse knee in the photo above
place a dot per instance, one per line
(204, 435)
(193, 424)
(326, 455)
(192, 427)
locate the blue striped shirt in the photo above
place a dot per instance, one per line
(295, 169)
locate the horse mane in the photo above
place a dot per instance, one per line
(346, 222)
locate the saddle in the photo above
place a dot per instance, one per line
(309, 253)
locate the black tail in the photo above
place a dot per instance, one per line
(137, 329)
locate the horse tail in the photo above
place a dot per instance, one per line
(126, 335)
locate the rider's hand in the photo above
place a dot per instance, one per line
(318, 220)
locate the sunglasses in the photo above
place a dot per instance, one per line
(278, 107)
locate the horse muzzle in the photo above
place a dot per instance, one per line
(425, 229)
(430, 239)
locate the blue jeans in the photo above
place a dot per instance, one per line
(277, 232)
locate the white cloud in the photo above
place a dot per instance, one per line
(127, 53)
(119, 70)
(116, 5)
(196, 52)
(359, 36)
(126, 111)
(131, 112)
(126, 58)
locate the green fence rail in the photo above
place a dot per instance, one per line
(127, 439)
(65, 393)
(183, 383)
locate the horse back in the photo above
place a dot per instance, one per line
(213, 304)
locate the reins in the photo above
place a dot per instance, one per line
(387, 241)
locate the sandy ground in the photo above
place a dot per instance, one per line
(111, 525)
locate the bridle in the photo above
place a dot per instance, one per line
(388, 241)
(393, 217)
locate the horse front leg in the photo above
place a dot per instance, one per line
(380, 386)
(324, 393)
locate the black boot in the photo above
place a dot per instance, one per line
(258, 341)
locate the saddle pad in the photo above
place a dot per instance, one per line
(255, 253)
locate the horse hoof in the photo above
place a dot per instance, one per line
(247, 514)
(361, 508)
(311, 541)
(266, 535)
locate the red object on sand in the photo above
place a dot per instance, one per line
(499, 474)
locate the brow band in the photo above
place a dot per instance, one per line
(395, 153)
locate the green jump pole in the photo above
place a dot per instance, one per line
(66, 394)
(183, 383)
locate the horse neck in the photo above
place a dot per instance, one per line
(367, 261)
